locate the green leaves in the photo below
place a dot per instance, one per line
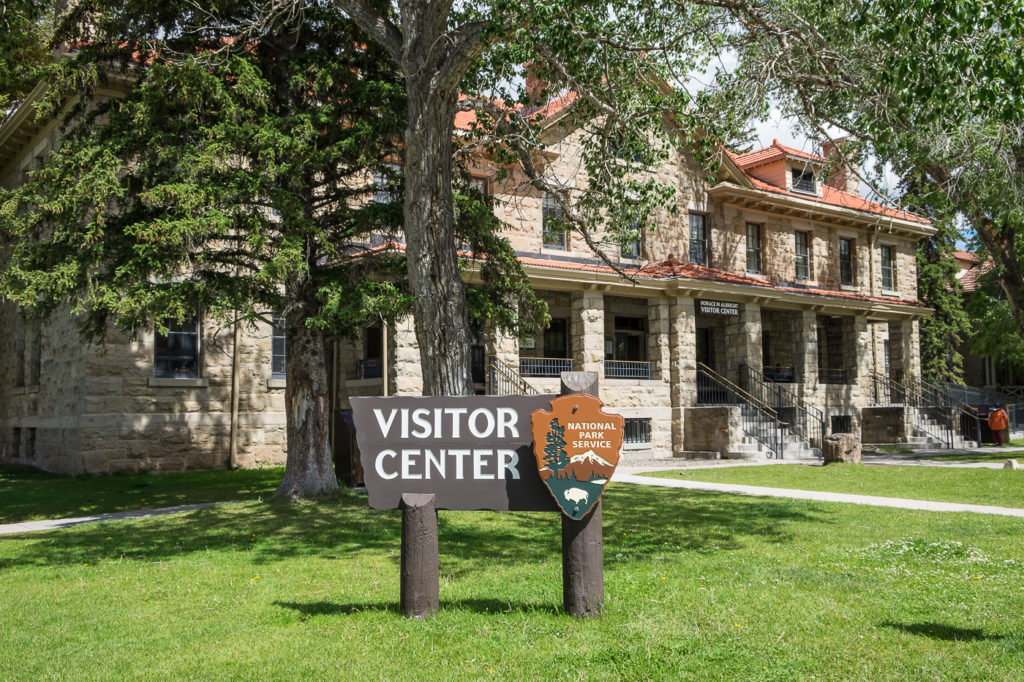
(225, 177)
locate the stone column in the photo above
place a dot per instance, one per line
(806, 353)
(904, 347)
(405, 376)
(743, 341)
(588, 331)
(658, 338)
(857, 340)
(682, 364)
(503, 346)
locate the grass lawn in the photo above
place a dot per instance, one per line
(27, 494)
(1000, 487)
(699, 586)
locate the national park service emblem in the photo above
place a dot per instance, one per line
(577, 446)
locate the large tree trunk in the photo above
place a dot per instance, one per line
(309, 470)
(442, 323)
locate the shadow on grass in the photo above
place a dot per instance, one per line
(639, 522)
(324, 608)
(27, 493)
(949, 633)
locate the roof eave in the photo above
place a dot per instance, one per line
(908, 227)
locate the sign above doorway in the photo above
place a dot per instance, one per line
(718, 308)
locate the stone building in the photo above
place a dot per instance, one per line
(774, 293)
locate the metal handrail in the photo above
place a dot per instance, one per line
(910, 393)
(742, 394)
(808, 421)
(757, 419)
(503, 380)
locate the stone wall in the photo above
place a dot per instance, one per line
(884, 425)
(98, 409)
(712, 429)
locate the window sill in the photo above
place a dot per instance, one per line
(849, 287)
(178, 383)
(277, 383)
(23, 390)
(632, 447)
(892, 293)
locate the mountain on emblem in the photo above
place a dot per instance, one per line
(577, 446)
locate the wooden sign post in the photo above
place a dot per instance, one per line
(583, 540)
(501, 453)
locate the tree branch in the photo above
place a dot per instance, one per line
(380, 28)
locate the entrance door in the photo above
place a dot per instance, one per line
(705, 389)
(704, 341)
(478, 362)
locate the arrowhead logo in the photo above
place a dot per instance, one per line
(577, 447)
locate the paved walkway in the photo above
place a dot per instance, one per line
(817, 496)
(54, 524)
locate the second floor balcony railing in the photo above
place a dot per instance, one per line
(833, 376)
(370, 369)
(544, 367)
(626, 369)
(780, 375)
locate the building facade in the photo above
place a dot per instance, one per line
(771, 287)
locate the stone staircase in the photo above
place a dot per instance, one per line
(924, 437)
(794, 447)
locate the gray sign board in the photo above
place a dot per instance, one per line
(470, 452)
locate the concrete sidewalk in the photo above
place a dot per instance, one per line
(817, 496)
(55, 524)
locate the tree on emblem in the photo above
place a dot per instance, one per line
(554, 452)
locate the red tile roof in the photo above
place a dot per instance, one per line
(829, 195)
(775, 152)
(972, 269)
(464, 120)
(967, 256)
(673, 269)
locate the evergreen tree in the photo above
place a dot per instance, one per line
(941, 333)
(230, 179)
(554, 452)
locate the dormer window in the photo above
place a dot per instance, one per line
(803, 181)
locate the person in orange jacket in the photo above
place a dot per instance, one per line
(997, 421)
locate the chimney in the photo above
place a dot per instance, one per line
(536, 87)
(840, 175)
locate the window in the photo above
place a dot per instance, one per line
(888, 269)
(846, 261)
(803, 181)
(630, 339)
(637, 430)
(803, 256)
(618, 147)
(841, 423)
(176, 353)
(698, 239)
(372, 364)
(387, 189)
(633, 249)
(554, 227)
(480, 185)
(277, 348)
(556, 338)
(753, 248)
